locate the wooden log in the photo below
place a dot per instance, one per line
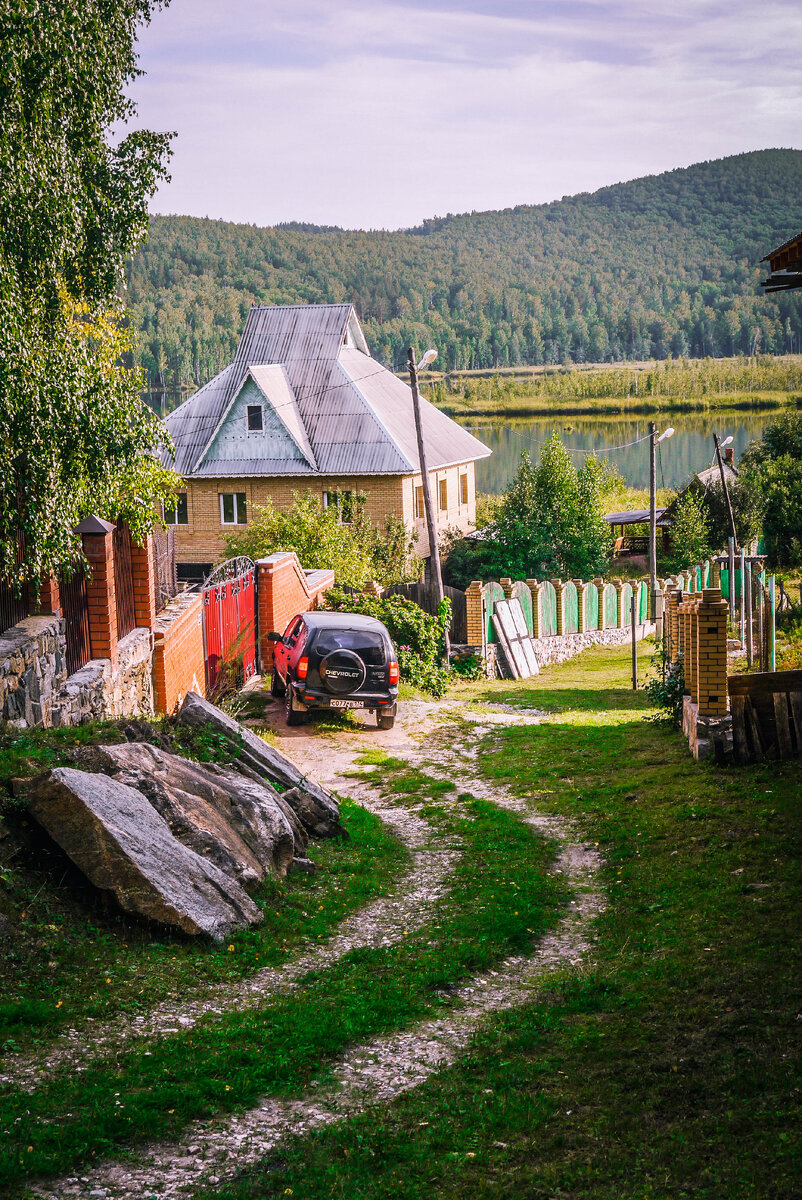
(765, 682)
(740, 744)
(784, 745)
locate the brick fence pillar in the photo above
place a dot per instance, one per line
(143, 574)
(49, 596)
(506, 584)
(712, 673)
(557, 584)
(98, 546)
(475, 615)
(537, 619)
(670, 625)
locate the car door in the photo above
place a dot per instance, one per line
(283, 650)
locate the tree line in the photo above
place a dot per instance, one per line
(666, 266)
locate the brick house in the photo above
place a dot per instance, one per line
(304, 407)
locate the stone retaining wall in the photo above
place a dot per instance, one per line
(35, 688)
(561, 647)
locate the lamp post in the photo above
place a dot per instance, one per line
(434, 549)
(654, 441)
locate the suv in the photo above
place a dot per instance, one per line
(335, 660)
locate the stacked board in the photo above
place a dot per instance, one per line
(515, 639)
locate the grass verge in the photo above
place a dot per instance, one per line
(671, 1067)
(502, 896)
(70, 956)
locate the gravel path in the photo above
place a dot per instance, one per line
(209, 1153)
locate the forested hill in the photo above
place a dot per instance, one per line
(663, 265)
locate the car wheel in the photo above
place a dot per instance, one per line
(385, 720)
(292, 714)
(277, 687)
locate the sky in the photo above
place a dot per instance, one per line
(375, 115)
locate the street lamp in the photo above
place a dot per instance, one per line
(654, 440)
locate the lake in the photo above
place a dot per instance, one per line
(689, 450)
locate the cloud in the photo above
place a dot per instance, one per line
(379, 114)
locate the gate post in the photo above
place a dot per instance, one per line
(537, 619)
(97, 537)
(474, 613)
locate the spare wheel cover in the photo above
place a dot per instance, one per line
(342, 672)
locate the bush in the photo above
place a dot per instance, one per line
(666, 688)
(355, 550)
(690, 534)
(419, 638)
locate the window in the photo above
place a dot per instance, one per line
(233, 508)
(463, 488)
(178, 514)
(256, 422)
(419, 507)
(443, 495)
(344, 502)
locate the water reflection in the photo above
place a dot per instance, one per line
(689, 450)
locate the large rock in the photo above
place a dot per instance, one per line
(123, 846)
(239, 826)
(319, 812)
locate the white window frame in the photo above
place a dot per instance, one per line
(251, 432)
(418, 509)
(328, 502)
(234, 496)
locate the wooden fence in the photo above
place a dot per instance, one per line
(766, 715)
(422, 595)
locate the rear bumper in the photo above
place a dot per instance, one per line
(313, 698)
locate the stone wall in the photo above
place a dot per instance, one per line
(35, 688)
(101, 692)
(561, 647)
(32, 670)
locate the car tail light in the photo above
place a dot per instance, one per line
(303, 667)
(393, 673)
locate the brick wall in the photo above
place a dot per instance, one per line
(201, 540)
(178, 659)
(283, 590)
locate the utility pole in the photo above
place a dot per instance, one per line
(434, 549)
(730, 513)
(653, 520)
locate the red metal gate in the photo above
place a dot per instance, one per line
(229, 626)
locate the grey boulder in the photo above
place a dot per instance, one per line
(239, 826)
(122, 845)
(319, 812)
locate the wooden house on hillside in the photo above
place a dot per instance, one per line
(304, 407)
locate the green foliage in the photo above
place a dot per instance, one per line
(73, 206)
(549, 523)
(690, 534)
(335, 538)
(771, 470)
(419, 637)
(661, 266)
(665, 687)
(748, 507)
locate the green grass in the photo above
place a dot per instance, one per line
(72, 956)
(502, 896)
(670, 1067)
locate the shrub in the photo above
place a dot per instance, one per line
(419, 638)
(666, 687)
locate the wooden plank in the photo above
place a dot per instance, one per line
(740, 744)
(752, 724)
(505, 646)
(517, 614)
(765, 681)
(502, 611)
(517, 650)
(795, 701)
(531, 658)
(784, 744)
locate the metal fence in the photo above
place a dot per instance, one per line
(123, 580)
(14, 601)
(165, 577)
(75, 610)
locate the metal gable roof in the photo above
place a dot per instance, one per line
(347, 413)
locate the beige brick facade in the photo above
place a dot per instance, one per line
(201, 539)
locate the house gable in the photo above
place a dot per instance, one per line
(233, 443)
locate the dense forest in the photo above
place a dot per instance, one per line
(663, 266)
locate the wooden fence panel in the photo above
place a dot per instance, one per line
(626, 604)
(521, 593)
(493, 594)
(570, 608)
(548, 609)
(591, 606)
(610, 600)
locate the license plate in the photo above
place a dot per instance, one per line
(345, 704)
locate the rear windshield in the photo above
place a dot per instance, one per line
(369, 646)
